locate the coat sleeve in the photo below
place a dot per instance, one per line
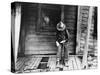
(67, 34)
(56, 35)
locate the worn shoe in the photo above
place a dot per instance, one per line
(66, 64)
(58, 64)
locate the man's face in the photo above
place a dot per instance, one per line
(61, 26)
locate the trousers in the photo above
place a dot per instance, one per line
(62, 51)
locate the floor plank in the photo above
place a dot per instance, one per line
(31, 63)
(23, 64)
(74, 63)
(20, 63)
(49, 62)
(70, 65)
(78, 63)
(36, 63)
(52, 64)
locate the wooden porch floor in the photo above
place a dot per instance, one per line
(39, 63)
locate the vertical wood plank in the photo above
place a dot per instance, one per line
(38, 62)
(85, 53)
(17, 30)
(34, 64)
(29, 63)
(74, 63)
(78, 63)
(39, 16)
(23, 64)
(70, 64)
(53, 64)
(49, 61)
(78, 31)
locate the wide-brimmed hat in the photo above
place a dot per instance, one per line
(61, 26)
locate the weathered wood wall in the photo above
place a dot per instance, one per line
(28, 25)
(70, 20)
(83, 30)
(39, 38)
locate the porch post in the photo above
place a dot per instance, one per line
(85, 52)
(78, 31)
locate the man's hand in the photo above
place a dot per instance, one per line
(63, 41)
(57, 43)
